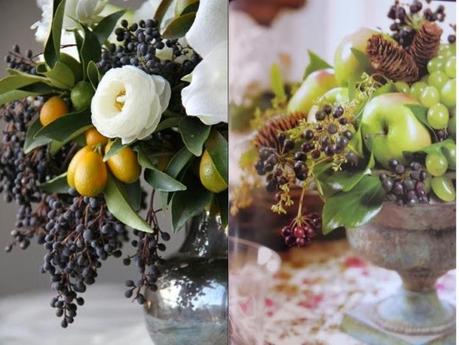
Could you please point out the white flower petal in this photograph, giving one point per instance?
(207, 94)
(145, 98)
(210, 26)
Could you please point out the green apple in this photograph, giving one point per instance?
(389, 128)
(347, 66)
(338, 95)
(314, 86)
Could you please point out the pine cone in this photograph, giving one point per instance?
(390, 59)
(267, 135)
(425, 44)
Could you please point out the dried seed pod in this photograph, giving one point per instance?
(425, 44)
(267, 136)
(390, 59)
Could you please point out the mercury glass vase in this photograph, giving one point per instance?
(419, 243)
(191, 303)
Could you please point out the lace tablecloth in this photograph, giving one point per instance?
(316, 285)
(107, 318)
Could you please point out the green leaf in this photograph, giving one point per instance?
(17, 81)
(74, 65)
(354, 208)
(277, 83)
(356, 143)
(360, 56)
(39, 88)
(30, 141)
(56, 185)
(217, 146)
(315, 63)
(186, 6)
(61, 76)
(134, 195)
(178, 162)
(179, 26)
(93, 74)
(420, 112)
(162, 9)
(118, 205)
(105, 27)
(15, 95)
(115, 147)
(433, 148)
(79, 42)
(65, 126)
(168, 123)
(90, 49)
(159, 180)
(55, 145)
(194, 134)
(189, 203)
(53, 44)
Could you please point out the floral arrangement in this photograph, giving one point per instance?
(380, 125)
(120, 107)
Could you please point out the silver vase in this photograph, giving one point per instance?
(419, 243)
(191, 303)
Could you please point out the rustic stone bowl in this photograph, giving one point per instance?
(419, 243)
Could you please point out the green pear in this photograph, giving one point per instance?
(347, 66)
(314, 86)
(390, 128)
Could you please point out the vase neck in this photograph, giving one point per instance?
(205, 236)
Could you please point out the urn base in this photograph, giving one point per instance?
(362, 324)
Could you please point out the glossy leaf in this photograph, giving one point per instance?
(186, 6)
(56, 185)
(168, 123)
(178, 162)
(61, 76)
(106, 26)
(354, 208)
(277, 83)
(159, 180)
(115, 147)
(217, 146)
(93, 74)
(118, 205)
(315, 63)
(30, 141)
(53, 44)
(194, 134)
(65, 126)
(134, 194)
(15, 95)
(73, 64)
(17, 81)
(162, 9)
(189, 203)
(179, 26)
(90, 49)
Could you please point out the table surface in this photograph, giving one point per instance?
(317, 284)
(310, 294)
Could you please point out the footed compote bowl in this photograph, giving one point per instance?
(419, 243)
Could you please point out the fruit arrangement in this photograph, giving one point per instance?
(99, 141)
(378, 126)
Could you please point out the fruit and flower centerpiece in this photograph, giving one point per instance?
(378, 126)
(103, 133)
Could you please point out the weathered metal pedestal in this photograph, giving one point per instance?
(420, 244)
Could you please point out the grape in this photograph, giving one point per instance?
(448, 93)
(429, 96)
(417, 88)
(450, 67)
(443, 188)
(437, 79)
(444, 50)
(436, 164)
(438, 116)
(449, 150)
(402, 86)
(436, 64)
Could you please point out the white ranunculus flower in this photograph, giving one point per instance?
(128, 103)
(85, 11)
(207, 94)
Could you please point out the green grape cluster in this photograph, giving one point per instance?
(437, 163)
